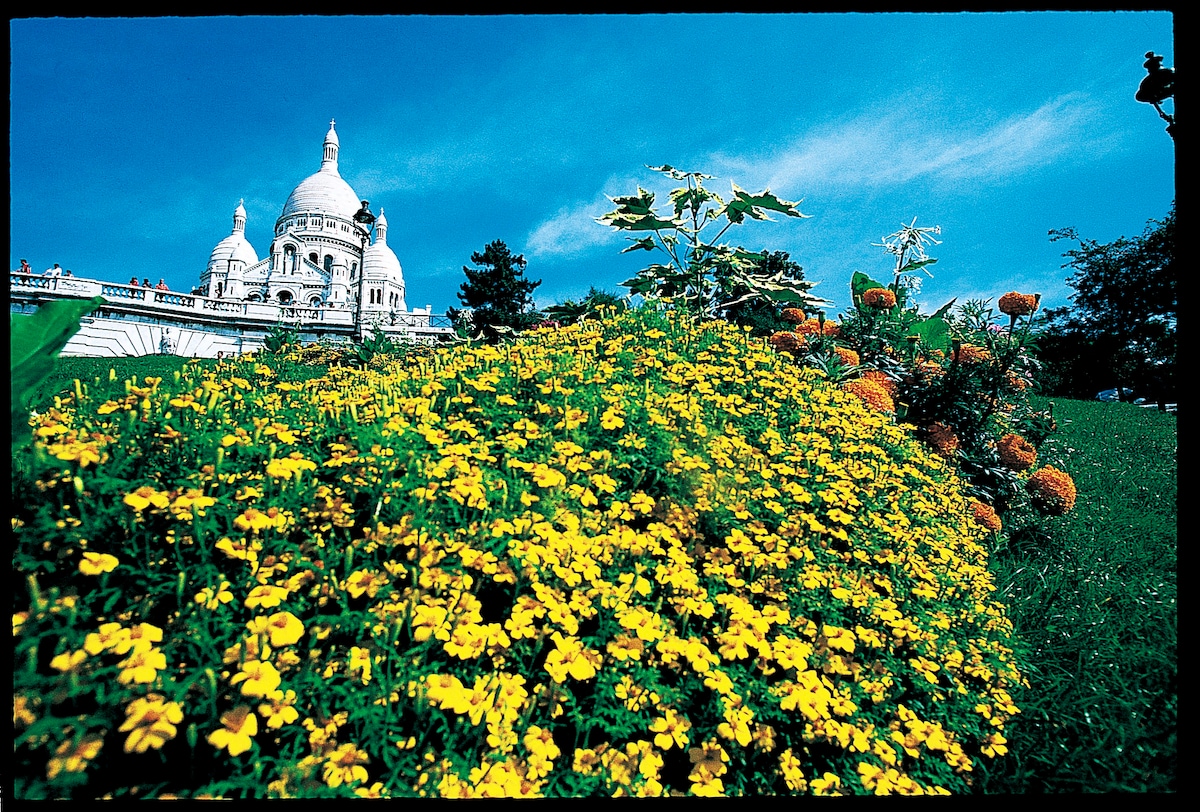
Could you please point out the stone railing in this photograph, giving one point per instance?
(152, 301)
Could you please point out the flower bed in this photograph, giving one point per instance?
(634, 556)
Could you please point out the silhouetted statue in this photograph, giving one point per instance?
(1159, 84)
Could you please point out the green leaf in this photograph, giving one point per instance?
(934, 333)
(917, 266)
(745, 203)
(646, 243)
(35, 341)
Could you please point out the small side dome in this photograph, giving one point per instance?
(379, 260)
(235, 247)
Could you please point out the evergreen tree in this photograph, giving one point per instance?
(497, 292)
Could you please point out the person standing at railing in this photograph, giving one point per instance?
(161, 285)
(55, 271)
(133, 283)
(146, 282)
(25, 267)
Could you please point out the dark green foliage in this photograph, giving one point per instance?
(497, 293)
(571, 311)
(762, 315)
(1121, 329)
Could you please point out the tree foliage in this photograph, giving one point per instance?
(1121, 328)
(762, 314)
(499, 296)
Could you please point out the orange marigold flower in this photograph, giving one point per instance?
(985, 515)
(812, 327)
(792, 315)
(1018, 304)
(879, 298)
(1015, 382)
(1016, 452)
(871, 393)
(942, 439)
(882, 379)
(1052, 490)
(849, 357)
(971, 354)
(786, 342)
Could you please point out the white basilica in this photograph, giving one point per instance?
(322, 255)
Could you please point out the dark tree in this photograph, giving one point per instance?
(497, 292)
(1121, 329)
(762, 315)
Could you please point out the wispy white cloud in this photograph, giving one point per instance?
(878, 152)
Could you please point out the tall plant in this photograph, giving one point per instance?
(693, 257)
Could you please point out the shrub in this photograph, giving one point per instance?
(573, 565)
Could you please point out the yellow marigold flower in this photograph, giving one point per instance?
(569, 657)
(879, 298)
(994, 745)
(942, 439)
(279, 710)
(210, 598)
(871, 393)
(258, 678)
(365, 582)
(344, 765)
(73, 757)
(109, 635)
(97, 563)
(641, 503)
(1016, 452)
(266, 596)
(547, 477)
(827, 784)
(142, 666)
(670, 729)
(146, 496)
(1018, 304)
(68, 661)
(239, 727)
(1052, 491)
(283, 628)
(254, 520)
(985, 515)
(360, 660)
(23, 716)
(150, 722)
(19, 619)
(611, 419)
(708, 760)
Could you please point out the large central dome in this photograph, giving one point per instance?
(324, 191)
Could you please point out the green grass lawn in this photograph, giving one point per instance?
(1092, 596)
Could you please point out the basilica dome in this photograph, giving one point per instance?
(324, 191)
(235, 247)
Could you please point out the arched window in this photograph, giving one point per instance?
(328, 263)
(313, 258)
(315, 301)
(285, 297)
(289, 259)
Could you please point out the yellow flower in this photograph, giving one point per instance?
(279, 711)
(150, 722)
(345, 765)
(211, 598)
(258, 678)
(827, 784)
(570, 657)
(142, 666)
(266, 596)
(73, 757)
(68, 661)
(239, 726)
(145, 496)
(97, 563)
(670, 729)
(283, 628)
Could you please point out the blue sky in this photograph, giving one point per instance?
(133, 139)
